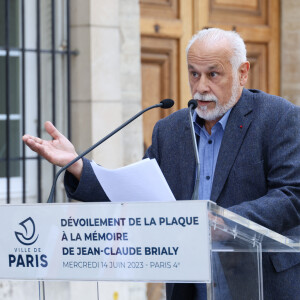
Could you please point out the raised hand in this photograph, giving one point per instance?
(59, 151)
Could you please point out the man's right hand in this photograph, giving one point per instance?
(60, 151)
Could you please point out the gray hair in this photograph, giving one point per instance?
(214, 35)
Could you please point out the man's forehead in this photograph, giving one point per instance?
(201, 50)
(209, 60)
(207, 65)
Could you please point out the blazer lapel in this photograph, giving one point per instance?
(237, 125)
(188, 161)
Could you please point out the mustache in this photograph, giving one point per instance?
(205, 97)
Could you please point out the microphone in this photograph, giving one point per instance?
(166, 103)
(192, 104)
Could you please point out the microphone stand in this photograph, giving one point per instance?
(192, 105)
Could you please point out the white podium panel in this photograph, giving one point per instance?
(180, 241)
(106, 241)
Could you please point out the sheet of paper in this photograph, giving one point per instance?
(141, 181)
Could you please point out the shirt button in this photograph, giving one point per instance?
(207, 177)
(210, 141)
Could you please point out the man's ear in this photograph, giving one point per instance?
(243, 73)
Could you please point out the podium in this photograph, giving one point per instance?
(238, 254)
(182, 241)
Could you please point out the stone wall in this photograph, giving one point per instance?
(96, 90)
(106, 87)
(106, 91)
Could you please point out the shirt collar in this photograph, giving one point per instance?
(200, 122)
(224, 119)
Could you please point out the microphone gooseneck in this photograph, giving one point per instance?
(192, 104)
(166, 103)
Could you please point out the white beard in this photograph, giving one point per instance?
(219, 110)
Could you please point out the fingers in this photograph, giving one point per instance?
(51, 129)
(58, 151)
(30, 139)
(34, 143)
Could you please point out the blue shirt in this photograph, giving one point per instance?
(208, 147)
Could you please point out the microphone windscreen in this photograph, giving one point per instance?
(193, 102)
(167, 103)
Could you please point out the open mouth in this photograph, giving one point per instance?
(204, 103)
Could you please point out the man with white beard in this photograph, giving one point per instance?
(249, 149)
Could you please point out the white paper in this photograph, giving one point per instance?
(141, 181)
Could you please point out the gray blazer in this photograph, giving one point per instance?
(257, 176)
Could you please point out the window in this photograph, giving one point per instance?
(34, 87)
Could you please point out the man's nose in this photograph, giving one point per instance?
(203, 85)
